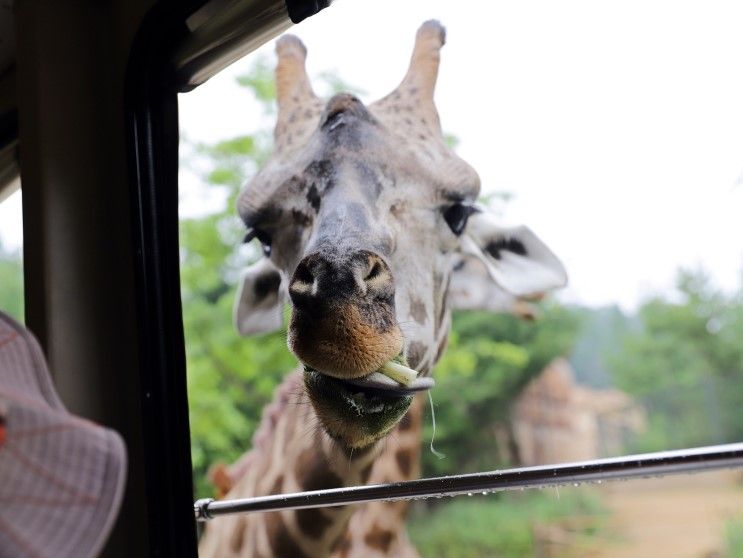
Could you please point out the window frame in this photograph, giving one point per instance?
(174, 51)
(151, 114)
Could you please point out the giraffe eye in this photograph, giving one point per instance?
(263, 237)
(456, 216)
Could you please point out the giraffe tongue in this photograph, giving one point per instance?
(377, 380)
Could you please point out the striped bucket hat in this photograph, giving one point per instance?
(61, 477)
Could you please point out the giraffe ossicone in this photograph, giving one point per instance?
(367, 217)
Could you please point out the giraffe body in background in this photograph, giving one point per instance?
(312, 462)
(365, 215)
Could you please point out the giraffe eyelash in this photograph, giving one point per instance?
(456, 216)
(263, 237)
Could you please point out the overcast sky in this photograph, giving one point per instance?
(617, 126)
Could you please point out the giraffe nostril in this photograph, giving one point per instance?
(375, 271)
(303, 279)
(324, 278)
(304, 274)
(377, 279)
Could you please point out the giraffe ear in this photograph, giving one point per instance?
(514, 257)
(259, 305)
(472, 288)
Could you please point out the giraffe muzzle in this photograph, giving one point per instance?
(343, 320)
(343, 328)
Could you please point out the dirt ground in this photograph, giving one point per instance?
(676, 517)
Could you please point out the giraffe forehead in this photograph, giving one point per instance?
(373, 186)
(353, 147)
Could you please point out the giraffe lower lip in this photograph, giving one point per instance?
(365, 399)
(353, 415)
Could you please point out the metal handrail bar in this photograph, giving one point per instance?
(643, 465)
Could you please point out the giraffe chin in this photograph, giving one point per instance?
(354, 416)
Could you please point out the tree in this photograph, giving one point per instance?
(230, 379)
(11, 283)
(686, 364)
(490, 358)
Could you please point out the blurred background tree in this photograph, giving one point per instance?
(489, 359)
(11, 282)
(684, 362)
(230, 379)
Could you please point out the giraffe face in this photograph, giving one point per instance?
(362, 229)
(363, 213)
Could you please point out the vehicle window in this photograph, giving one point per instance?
(11, 256)
(614, 134)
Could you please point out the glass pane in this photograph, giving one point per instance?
(11, 256)
(622, 155)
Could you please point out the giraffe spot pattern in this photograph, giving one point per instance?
(238, 537)
(313, 522)
(404, 461)
(280, 539)
(342, 546)
(315, 474)
(418, 310)
(313, 197)
(277, 485)
(415, 353)
(300, 218)
(366, 472)
(379, 538)
(406, 422)
(266, 284)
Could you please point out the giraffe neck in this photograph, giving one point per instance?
(292, 453)
(377, 529)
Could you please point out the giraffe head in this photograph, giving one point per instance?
(365, 214)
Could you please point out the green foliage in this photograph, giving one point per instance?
(230, 379)
(261, 83)
(734, 538)
(11, 283)
(499, 525)
(597, 343)
(489, 359)
(685, 363)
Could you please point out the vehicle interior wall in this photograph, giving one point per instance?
(70, 70)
